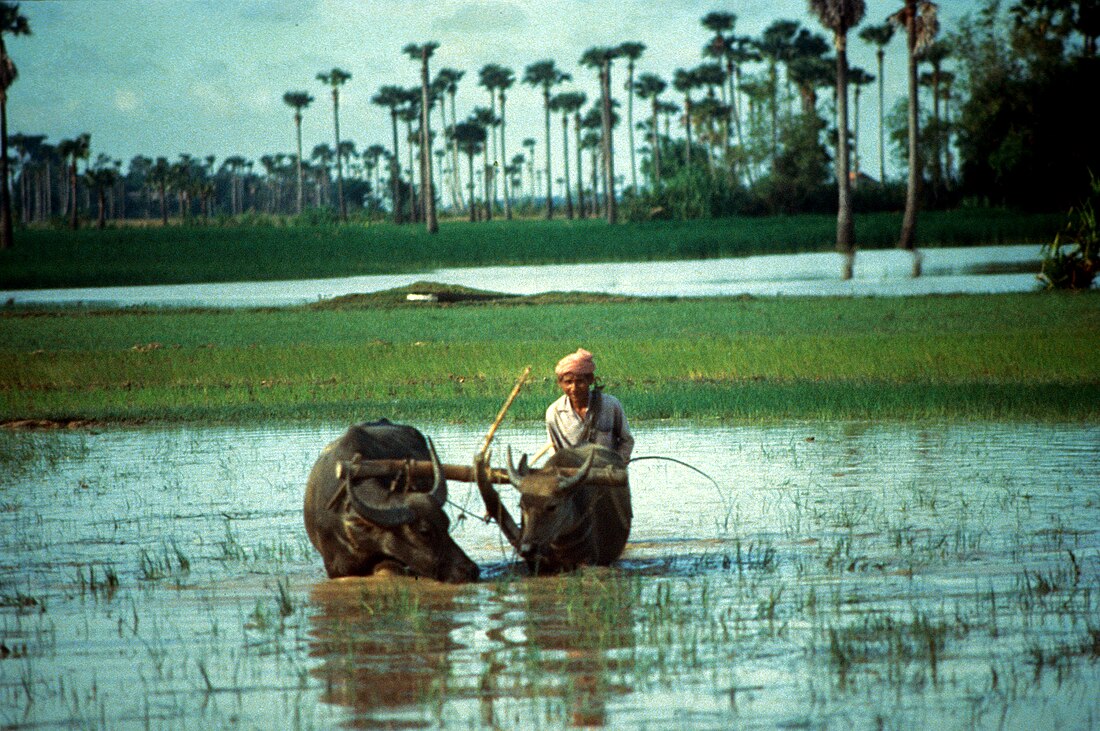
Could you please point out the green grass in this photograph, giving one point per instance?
(1021, 355)
(46, 258)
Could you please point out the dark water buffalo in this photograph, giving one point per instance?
(363, 525)
(566, 521)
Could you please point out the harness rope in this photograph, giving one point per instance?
(717, 487)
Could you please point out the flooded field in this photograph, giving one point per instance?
(838, 575)
(878, 273)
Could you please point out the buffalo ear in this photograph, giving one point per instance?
(515, 476)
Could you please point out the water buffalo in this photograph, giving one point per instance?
(567, 521)
(363, 524)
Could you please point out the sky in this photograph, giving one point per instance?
(207, 77)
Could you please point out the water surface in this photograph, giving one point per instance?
(837, 575)
(963, 270)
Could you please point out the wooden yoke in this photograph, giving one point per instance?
(356, 470)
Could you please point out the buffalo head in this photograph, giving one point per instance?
(362, 525)
(556, 528)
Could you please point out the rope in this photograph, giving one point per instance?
(717, 487)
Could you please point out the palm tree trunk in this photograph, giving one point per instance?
(74, 221)
(298, 126)
(339, 157)
(656, 132)
(907, 239)
(881, 121)
(687, 126)
(7, 232)
(580, 168)
(506, 185)
(630, 124)
(549, 180)
(845, 231)
(473, 204)
(426, 177)
(608, 143)
(565, 156)
(454, 155)
(395, 170)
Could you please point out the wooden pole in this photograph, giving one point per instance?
(461, 473)
(503, 410)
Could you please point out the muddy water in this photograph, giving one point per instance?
(836, 575)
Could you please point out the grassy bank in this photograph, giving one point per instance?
(47, 258)
(997, 356)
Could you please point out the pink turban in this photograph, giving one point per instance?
(580, 363)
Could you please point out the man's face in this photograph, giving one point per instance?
(576, 386)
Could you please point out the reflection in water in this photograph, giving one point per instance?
(394, 650)
(384, 646)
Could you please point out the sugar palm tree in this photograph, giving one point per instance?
(840, 16)
(469, 137)
(651, 86)
(393, 98)
(504, 83)
(73, 150)
(485, 117)
(423, 52)
(101, 178)
(335, 79)
(493, 78)
(448, 79)
(721, 48)
(921, 25)
(776, 46)
(567, 102)
(299, 100)
(545, 75)
(12, 22)
(600, 58)
(631, 51)
(879, 36)
(934, 54)
(686, 81)
(857, 79)
(529, 144)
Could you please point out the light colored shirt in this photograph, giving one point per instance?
(565, 427)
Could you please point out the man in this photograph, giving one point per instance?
(584, 414)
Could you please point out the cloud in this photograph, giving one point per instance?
(127, 101)
(492, 17)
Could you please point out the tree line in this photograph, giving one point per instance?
(761, 125)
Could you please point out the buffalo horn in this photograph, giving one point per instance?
(439, 485)
(382, 517)
(567, 483)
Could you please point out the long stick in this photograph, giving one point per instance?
(379, 468)
(541, 452)
(503, 411)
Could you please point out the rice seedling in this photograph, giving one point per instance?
(104, 586)
(994, 357)
(169, 562)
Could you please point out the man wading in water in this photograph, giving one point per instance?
(584, 414)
